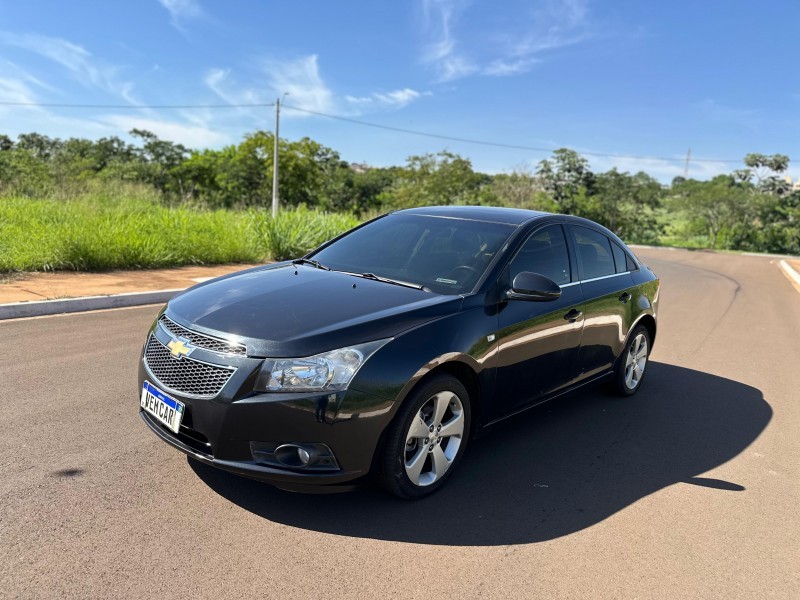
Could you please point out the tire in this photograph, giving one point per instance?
(422, 447)
(632, 364)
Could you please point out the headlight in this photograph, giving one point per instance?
(330, 371)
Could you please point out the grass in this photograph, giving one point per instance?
(296, 232)
(133, 230)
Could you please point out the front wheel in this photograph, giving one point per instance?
(427, 438)
(633, 362)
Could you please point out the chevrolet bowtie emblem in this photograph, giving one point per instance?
(179, 348)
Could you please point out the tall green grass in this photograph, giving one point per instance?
(296, 232)
(132, 231)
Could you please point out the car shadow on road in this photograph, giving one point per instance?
(555, 470)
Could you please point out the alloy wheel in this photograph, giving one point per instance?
(433, 438)
(635, 361)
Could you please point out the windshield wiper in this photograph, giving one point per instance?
(312, 262)
(374, 277)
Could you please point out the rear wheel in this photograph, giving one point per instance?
(633, 362)
(427, 439)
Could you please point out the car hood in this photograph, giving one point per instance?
(285, 310)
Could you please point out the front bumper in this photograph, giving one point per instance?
(219, 432)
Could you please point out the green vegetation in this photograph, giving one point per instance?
(297, 231)
(133, 229)
(91, 205)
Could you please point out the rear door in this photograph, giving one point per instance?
(607, 290)
(539, 341)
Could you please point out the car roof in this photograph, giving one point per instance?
(489, 214)
(508, 216)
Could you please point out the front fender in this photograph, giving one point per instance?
(394, 370)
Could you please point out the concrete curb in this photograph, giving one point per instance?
(38, 308)
(791, 273)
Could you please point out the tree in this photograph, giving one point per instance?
(39, 146)
(714, 208)
(160, 160)
(520, 189)
(436, 179)
(765, 169)
(565, 177)
(626, 204)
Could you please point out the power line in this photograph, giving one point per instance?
(365, 124)
(500, 144)
(135, 106)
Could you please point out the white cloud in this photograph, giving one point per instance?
(300, 78)
(15, 90)
(438, 16)
(27, 76)
(455, 67)
(195, 135)
(307, 90)
(396, 99)
(74, 58)
(552, 24)
(220, 82)
(505, 68)
(180, 10)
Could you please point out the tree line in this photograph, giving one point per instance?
(752, 208)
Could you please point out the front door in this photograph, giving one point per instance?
(539, 341)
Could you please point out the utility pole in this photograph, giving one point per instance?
(275, 160)
(686, 167)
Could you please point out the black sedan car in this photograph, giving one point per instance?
(382, 352)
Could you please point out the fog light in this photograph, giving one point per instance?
(302, 455)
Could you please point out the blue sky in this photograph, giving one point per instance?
(623, 78)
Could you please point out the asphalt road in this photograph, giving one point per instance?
(689, 490)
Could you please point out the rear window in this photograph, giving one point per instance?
(594, 250)
(620, 258)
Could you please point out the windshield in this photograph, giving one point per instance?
(446, 255)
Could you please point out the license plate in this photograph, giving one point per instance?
(164, 408)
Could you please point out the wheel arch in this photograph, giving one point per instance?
(648, 321)
(457, 367)
(460, 367)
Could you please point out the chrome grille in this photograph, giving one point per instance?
(184, 375)
(201, 340)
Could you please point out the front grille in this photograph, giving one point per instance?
(189, 437)
(201, 340)
(184, 375)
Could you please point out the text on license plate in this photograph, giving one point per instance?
(164, 408)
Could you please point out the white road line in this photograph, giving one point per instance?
(793, 275)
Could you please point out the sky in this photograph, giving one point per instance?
(630, 84)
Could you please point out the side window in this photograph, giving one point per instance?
(594, 250)
(620, 258)
(545, 252)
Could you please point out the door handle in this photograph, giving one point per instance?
(573, 315)
(625, 297)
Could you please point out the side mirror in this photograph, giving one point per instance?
(533, 287)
